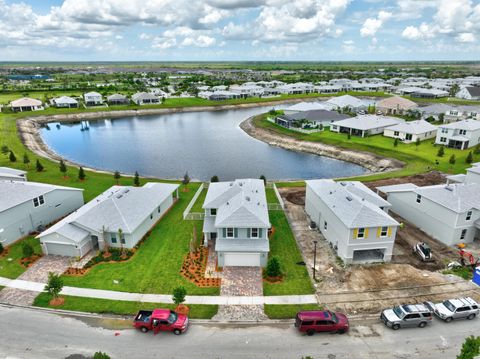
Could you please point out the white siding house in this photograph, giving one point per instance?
(26, 104)
(64, 102)
(461, 135)
(236, 219)
(364, 125)
(145, 98)
(353, 219)
(133, 210)
(410, 131)
(449, 213)
(11, 174)
(93, 99)
(26, 207)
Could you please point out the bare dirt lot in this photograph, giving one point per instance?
(369, 288)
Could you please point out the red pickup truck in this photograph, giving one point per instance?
(161, 320)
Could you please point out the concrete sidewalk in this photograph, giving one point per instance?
(162, 298)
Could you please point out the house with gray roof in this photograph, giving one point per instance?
(307, 106)
(145, 98)
(309, 118)
(93, 99)
(365, 125)
(27, 207)
(119, 217)
(448, 212)
(411, 131)
(237, 221)
(12, 174)
(460, 135)
(118, 99)
(469, 93)
(64, 102)
(353, 219)
(350, 102)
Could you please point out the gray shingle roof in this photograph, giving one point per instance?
(471, 125)
(240, 204)
(353, 210)
(144, 96)
(397, 188)
(414, 127)
(316, 115)
(347, 101)
(13, 193)
(367, 122)
(11, 171)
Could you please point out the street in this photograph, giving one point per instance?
(28, 333)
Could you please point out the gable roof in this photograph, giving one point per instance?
(474, 91)
(354, 208)
(366, 122)
(414, 127)
(316, 115)
(308, 106)
(26, 102)
(240, 204)
(396, 102)
(144, 96)
(470, 125)
(65, 99)
(117, 97)
(347, 101)
(13, 193)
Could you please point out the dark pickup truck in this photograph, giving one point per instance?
(161, 320)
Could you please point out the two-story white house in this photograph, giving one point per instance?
(236, 219)
(27, 207)
(409, 132)
(93, 99)
(449, 213)
(353, 219)
(460, 135)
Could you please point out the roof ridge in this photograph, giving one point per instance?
(121, 214)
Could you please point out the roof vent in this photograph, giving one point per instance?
(119, 196)
(349, 199)
(247, 198)
(448, 188)
(343, 184)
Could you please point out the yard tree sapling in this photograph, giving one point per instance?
(38, 166)
(54, 286)
(63, 168)
(27, 250)
(273, 267)
(441, 152)
(117, 176)
(469, 158)
(81, 174)
(136, 179)
(452, 160)
(186, 179)
(12, 157)
(26, 159)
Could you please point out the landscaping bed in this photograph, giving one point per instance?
(105, 306)
(11, 262)
(194, 266)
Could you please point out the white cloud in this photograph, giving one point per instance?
(466, 37)
(372, 25)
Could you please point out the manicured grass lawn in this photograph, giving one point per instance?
(280, 311)
(106, 306)
(197, 207)
(12, 269)
(271, 196)
(155, 267)
(284, 246)
(417, 160)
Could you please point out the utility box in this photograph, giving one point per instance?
(476, 276)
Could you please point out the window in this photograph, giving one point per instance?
(38, 201)
(325, 225)
(463, 235)
(463, 132)
(463, 309)
(254, 233)
(151, 215)
(426, 315)
(113, 238)
(469, 215)
(361, 233)
(396, 133)
(41, 200)
(213, 211)
(419, 198)
(413, 316)
(384, 232)
(158, 209)
(443, 139)
(230, 233)
(444, 130)
(307, 322)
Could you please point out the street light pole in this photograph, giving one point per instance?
(314, 259)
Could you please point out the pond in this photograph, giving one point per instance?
(203, 143)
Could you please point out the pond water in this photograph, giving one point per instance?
(202, 143)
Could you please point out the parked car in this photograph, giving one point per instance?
(409, 315)
(312, 322)
(459, 308)
(161, 320)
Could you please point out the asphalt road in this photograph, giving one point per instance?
(28, 333)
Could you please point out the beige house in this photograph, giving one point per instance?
(26, 104)
(395, 105)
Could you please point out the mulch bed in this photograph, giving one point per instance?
(57, 302)
(5, 252)
(76, 272)
(194, 266)
(28, 262)
(273, 280)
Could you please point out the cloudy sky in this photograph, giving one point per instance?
(193, 30)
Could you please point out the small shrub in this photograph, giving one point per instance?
(395, 142)
(117, 176)
(179, 294)
(12, 157)
(452, 160)
(469, 158)
(38, 166)
(470, 348)
(27, 250)
(441, 152)
(100, 355)
(81, 174)
(214, 179)
(186, 179)
(136, 179)
(26, 159)
(273, 267)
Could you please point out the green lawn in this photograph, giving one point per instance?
(280, 311)
(271, 196)
(12, 268)
(197, 207)
(417, 160)
(120, 307)
(284, 246)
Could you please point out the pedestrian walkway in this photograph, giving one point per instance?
(36, 287)
(38, 272)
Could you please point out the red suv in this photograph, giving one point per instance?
(321, 321)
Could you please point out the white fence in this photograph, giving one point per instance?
(187, 216)
(279, 198)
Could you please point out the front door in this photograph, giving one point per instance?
(94, 242)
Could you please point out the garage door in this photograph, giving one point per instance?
(369, 255)
(242, 259)
(62, 249)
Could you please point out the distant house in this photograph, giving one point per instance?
(461, 135)
(395, 105)
(469, 93)
(64, 102)
(11, 174)
(133, 210)
(353, 219)
(449, 213)
(26, 104)
(295, 88)
(434, 110)
(364, 125)
(411, 131)
(430, 93)
(350, 103)
(314, 118)
(145, 98)
(236, 219)
(219, 95)
(327, 88)
(307, 106)
(93, 99)
(247, 90)
(118, 99)
(460, 113)
(26, 207)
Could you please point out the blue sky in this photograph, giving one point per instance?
(282, 30)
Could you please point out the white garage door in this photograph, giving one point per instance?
(242, 259)
(62, 249)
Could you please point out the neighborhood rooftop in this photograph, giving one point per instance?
(414, 127)
(366, 122)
